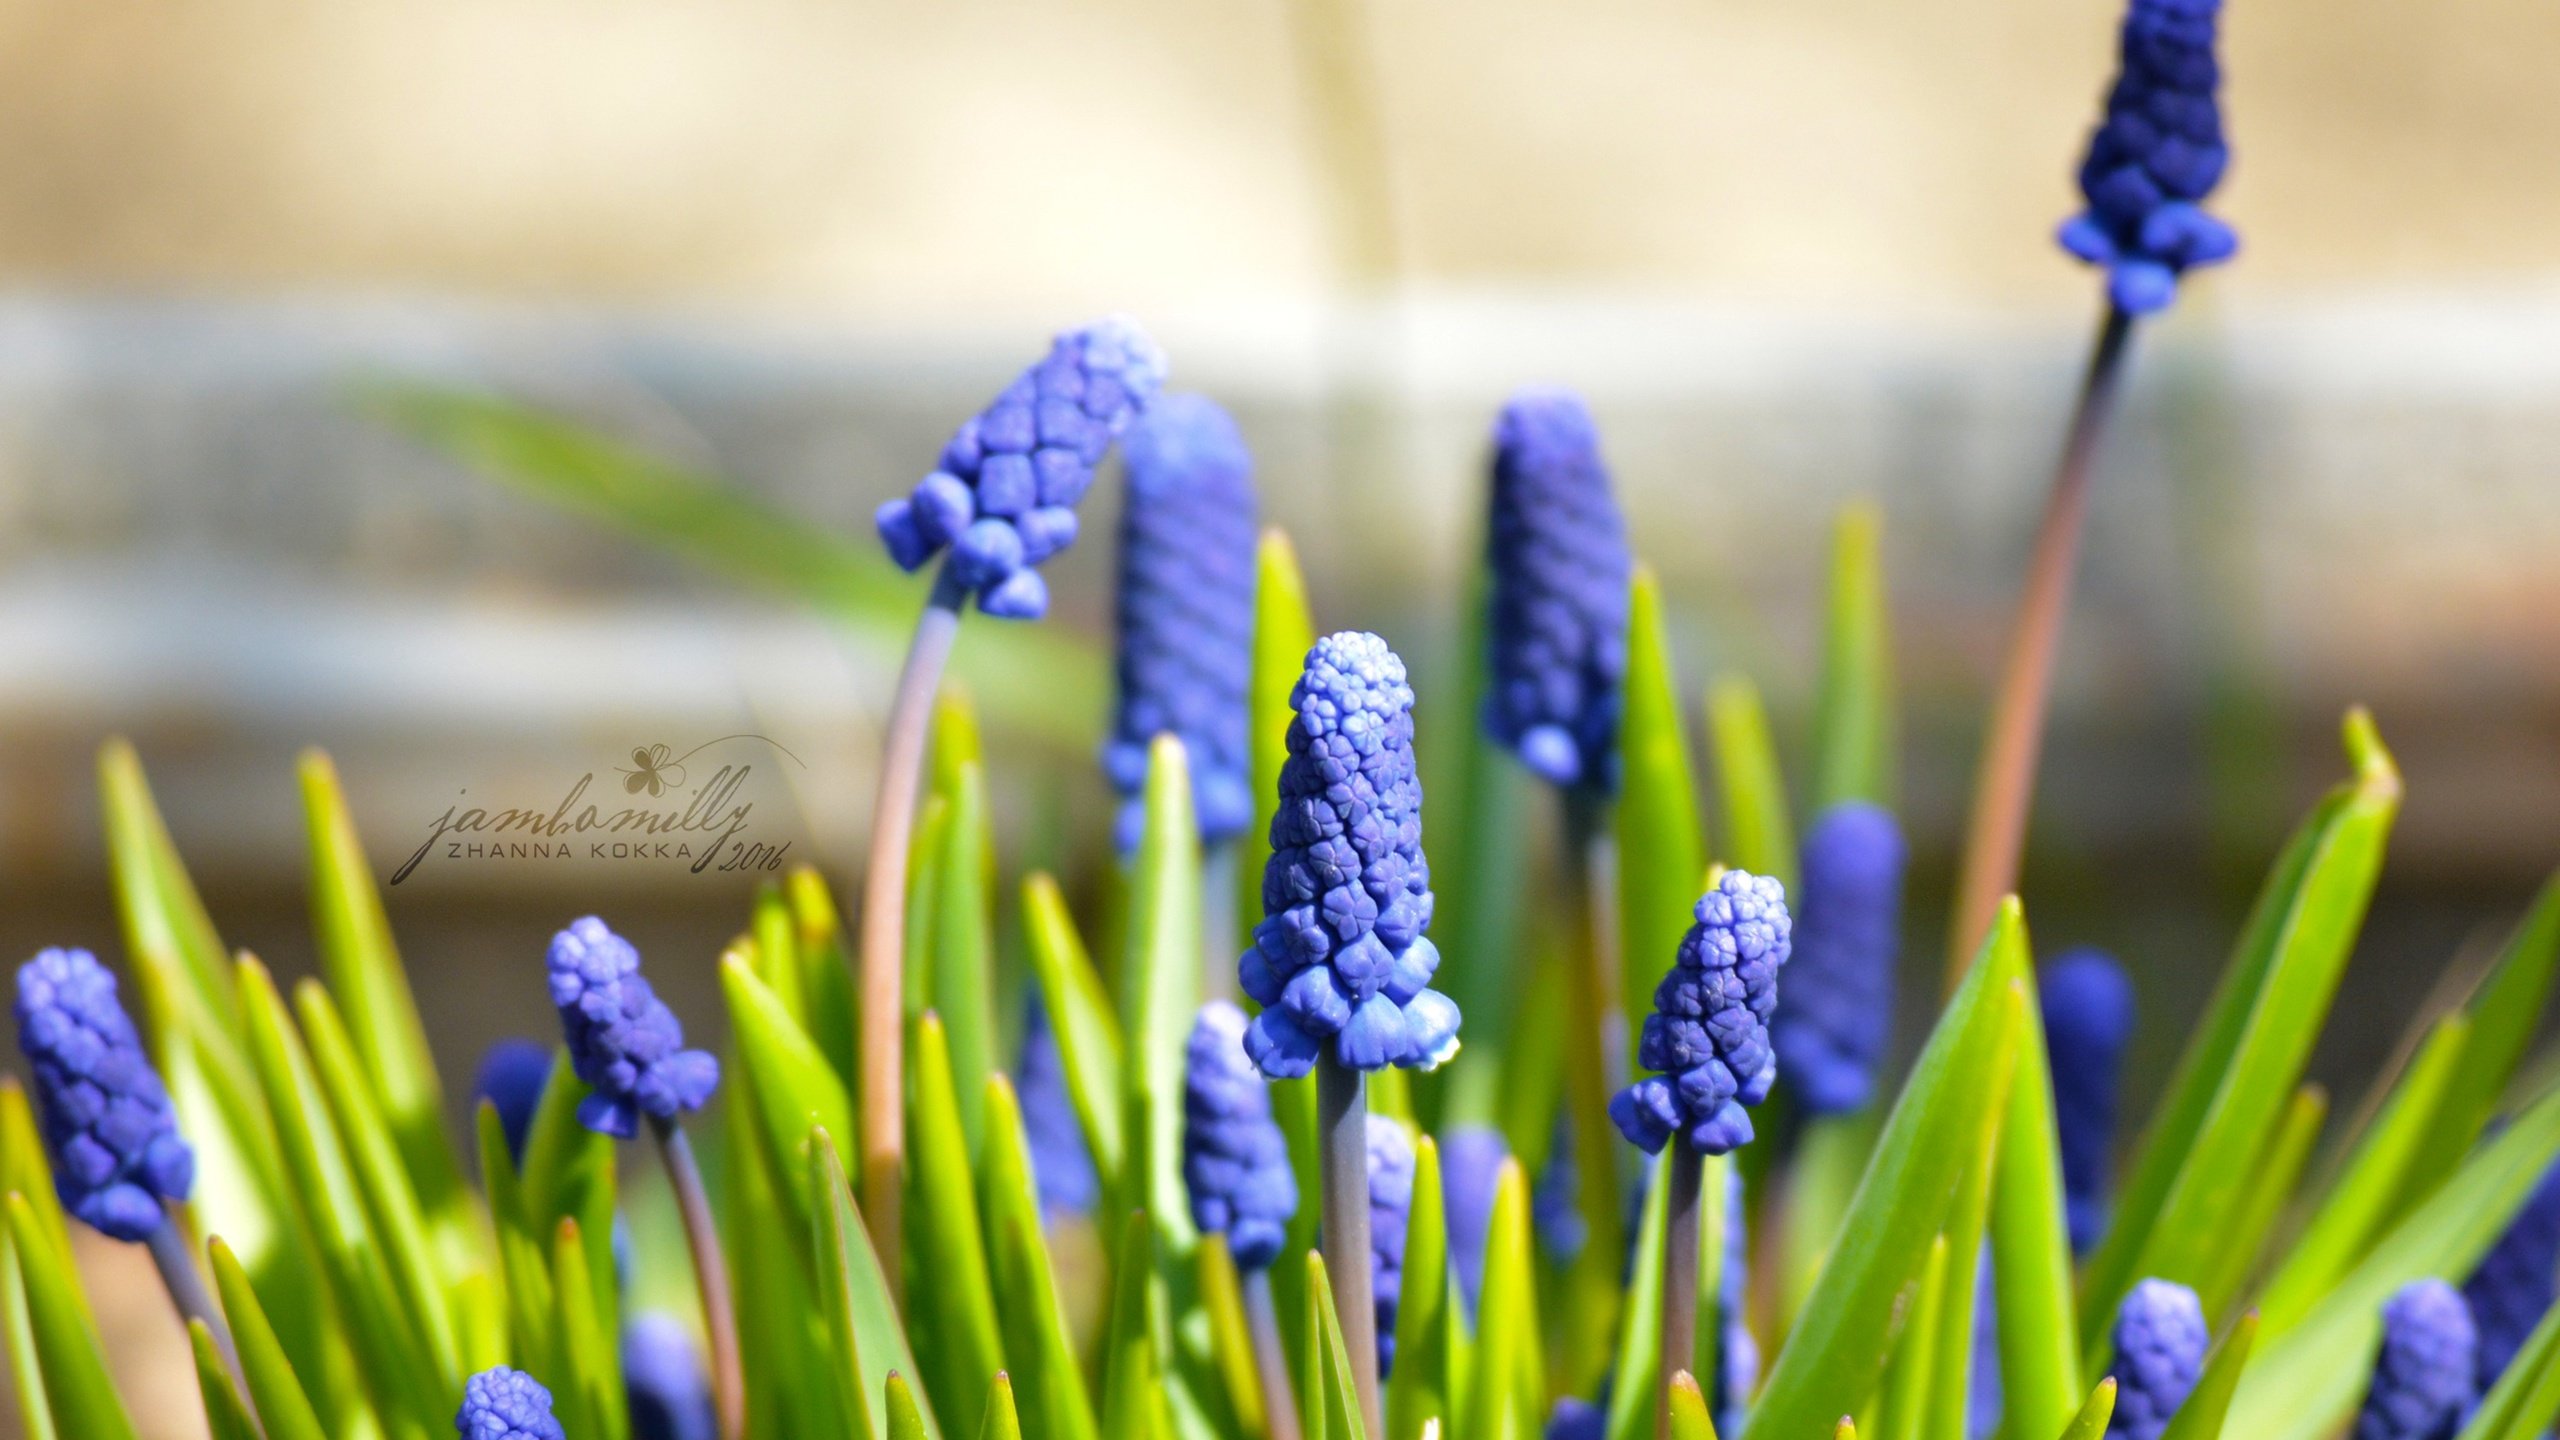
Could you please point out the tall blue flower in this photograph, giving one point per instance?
(1832, 1026)
(1708, 1034)
(1235, 1162)
(2087, 1004)
(512, 1075)
(1186, 611)
(2155, 157)
(666, 1388)
(1737, 1353)
(2160, 1346)
(1471, 1158)
(623, 1040)
(1390, 1220)
(1557, 633)
(2513, 1287)
(108, 1124)
(504, 1404)
(2424, 1378)
(1004, 497)
(1340, 956)
(1061, 1167)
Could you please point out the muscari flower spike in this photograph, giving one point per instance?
(1235, 1162)
(2155, 157)
(1471, 1159)
(1390, 1223)
(1837, 1014)
(1185, 612)
(1575, 1418)
(504, 1404)
(2087, 1004)
(1061, 1167)
(1340, 958)
(1708, 1034)
(2160, 1345)
(2423, 1379)
(512, 1076)
(1003, 499)
(1556, 635)
(667, 1391)
(623, 1040)
(108, 1124)
(2515, 1283)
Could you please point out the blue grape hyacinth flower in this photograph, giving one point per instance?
(2424, 1379)
(2155, 157)
(1061, 1167)
(1708, 1035)
(1555, 1200)
(1556, 633)
(1471, 1159)
(1235, 1162)
(2516, 1281)
(668, 1393)
(1340, 958)
(504, 1404)
(2087, 1005)
(1390, 1224)
(512, 1075)
(2161, 1341)
(623, 1040)
(1832, 1025)
(1003, 499)
(1185, 656)
(118, 1158)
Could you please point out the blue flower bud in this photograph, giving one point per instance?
(1709, 1030)
(1390, 1216)
(1235, 1161)
(1831, 1028)
(1556, 634)
(2087, 1004)
(1340, 958)
(2513, 1287)
(504, 1404)
(664, 1382)
(512, 1075)
(1061, 1167)
(2426, 1376)
(1471, 1159)
(2156, 156)
(108, 1124)
(1003, 499)
(2160, 1347)
(623, 1040)
(1186, 612)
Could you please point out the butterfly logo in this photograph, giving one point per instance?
(652, 769)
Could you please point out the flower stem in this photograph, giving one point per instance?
(1595, 1069)
(2004, 787)
(710, 1275)
(1685, 1167)
(884, 925)
(1342, 1125)
(185, 1284)
(1270, 1362)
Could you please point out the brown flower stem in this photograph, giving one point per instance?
(710, 1276)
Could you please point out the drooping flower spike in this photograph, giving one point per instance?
(1340, 958)
(1556, 637)
(1061, 1167)
(2087, 1004)
(623, 1040)
(1837, 1014)
(1708, 1035)
(1390, 1225)
(2155, 157)
(2161, 1341)
(118, 1158)
(504, 1404)
(1003, 499)
(1235, 1162)
(1187, 537)
(2424, 1379)
(2516, 1281)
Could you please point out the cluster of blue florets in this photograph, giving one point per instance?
(2155, 158)
(108, 1123)
(1061, 1166)
(504, 1404)
(623, 1040)
(1708, 1035)
(2423, 1379)
(2160, 1340)
(2087, 1005)
(1556, 637)
(1185, 611)
(1235, 1162)
(2518, 1280)
(1340, 958)
(662, 1373)
(1004, 497)
(1390, 1224)
(1831, 1030)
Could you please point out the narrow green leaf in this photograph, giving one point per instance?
(588, 1384)
(1481, 844)
(166, 927)
(1950, 1410)
(795, 1087)
(773, 950)
(1689, 1417)
(26, 1368)
(77, 1387)
(2279, 1172)
(955, 1313)
(527, 1274)
(861, 1289)
(1661, 841)
(1080, 1015)
(282, 1402)
(224, 1415)
(794, 1380)
(964, 943)
(906, 1416)
(1854, 731)
(1830, 1157)
(1507, 1350)
(1639, 1363)
(1038, 1345)
(1909, 1377)
(1330, 1403)
(924, 887)
(24, 1168)
(1002, 1423)
(1427, 1335)
(2526, 1399)
(2209, 1404)
(826, 976)
(1230, 1360)
(568, 1174)
(957, 741)
(2031, 1247)
(845, 1376)
(2091, 1422)
(1284, 630)
(1160, 982)
(1759, 836)
(1128, 1347)
(2505, 1016)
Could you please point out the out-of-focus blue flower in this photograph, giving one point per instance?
(2161, 1341)
(1471, 1159)
(107, 1121)
(2155, 157)
(504, 1404)
(1578, 1419)
(623, 1040)
(1987, 1398)
(1832, 1026)
(1235, 1162)
(1061, 1167)
(1390, 1217)
(1555, 1202)
(1708, 1034)
(663, 1379)
(511, 1077)
(1557, 633)
(1004, 497)
(1737, 1352)
(2087, 1005)
(1340, 957)
(1185, 612)
(2425, 1377)
(2513, 1287)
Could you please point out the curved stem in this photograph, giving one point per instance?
(710, 1275)
(2004, 787)
(884, 926)
(1342, 1125)
(186, 1287)
(1679, 1275)
(1270, 1362)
